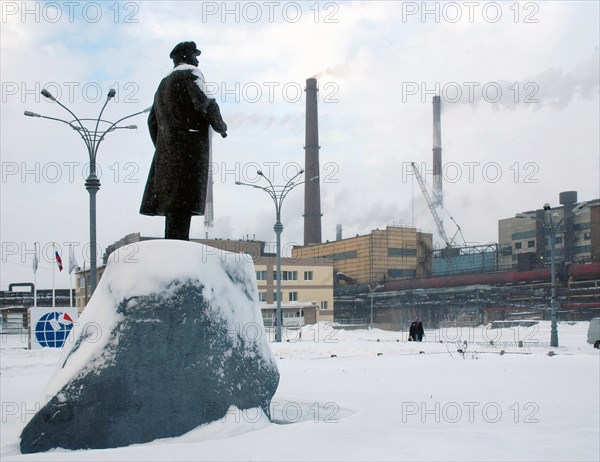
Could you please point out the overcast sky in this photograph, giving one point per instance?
(519, 83)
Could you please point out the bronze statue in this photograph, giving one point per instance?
(179, 124)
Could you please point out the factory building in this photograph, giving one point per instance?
(397, 252)
(508, 280)
(524, 240)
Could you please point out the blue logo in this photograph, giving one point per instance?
(52, 330)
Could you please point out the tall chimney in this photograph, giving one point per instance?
(312, 191)
(437, 153)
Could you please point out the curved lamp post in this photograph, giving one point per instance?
(278, 193)
(552, 229)
(92, 137)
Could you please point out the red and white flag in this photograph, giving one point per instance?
(58, 261)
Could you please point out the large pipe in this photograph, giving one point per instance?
(579, 271)
(437, 153)
(312, 191)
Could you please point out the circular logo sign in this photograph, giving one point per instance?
(52, 329)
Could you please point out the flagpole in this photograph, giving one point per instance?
(35, 265)
(71, 257)
(53, 271)
(85, 285)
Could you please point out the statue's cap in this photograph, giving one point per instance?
(183, 49)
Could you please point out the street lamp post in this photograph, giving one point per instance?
(553, 307)
(92, 137)
(372, 293)
(552, 228)
(278, 194)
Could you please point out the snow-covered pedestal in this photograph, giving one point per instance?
(172, 337)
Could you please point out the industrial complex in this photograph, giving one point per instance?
(394, 276)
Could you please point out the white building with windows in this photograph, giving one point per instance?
(306, 288)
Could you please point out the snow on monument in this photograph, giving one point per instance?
(170, 340)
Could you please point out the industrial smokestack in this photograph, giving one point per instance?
(338, 232)
(312, 191)
(437, 153)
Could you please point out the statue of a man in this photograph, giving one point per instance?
(179, 125)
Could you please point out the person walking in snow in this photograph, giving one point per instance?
(179, 125)
(420, 331)
(412, 332)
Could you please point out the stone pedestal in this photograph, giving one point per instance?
(172, 337)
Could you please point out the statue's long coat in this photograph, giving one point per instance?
(179, 127)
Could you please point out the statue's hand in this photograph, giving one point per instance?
(215, 119)
(219, 126)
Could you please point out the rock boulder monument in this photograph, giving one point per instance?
(167, 343)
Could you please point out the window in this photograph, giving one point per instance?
(530, 244)
(308, 275)
(402, 252)
(274, 297)
(559, 239)
(286, 275)
(293, 296)
(401, 273)
(268, 318)
(587, 236)
(262, 296)
(261, 275)
(517, 245)
(324, 305)
(343, 255)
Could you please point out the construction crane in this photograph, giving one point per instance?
(436, 216)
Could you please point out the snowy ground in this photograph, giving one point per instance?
(371, 395)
